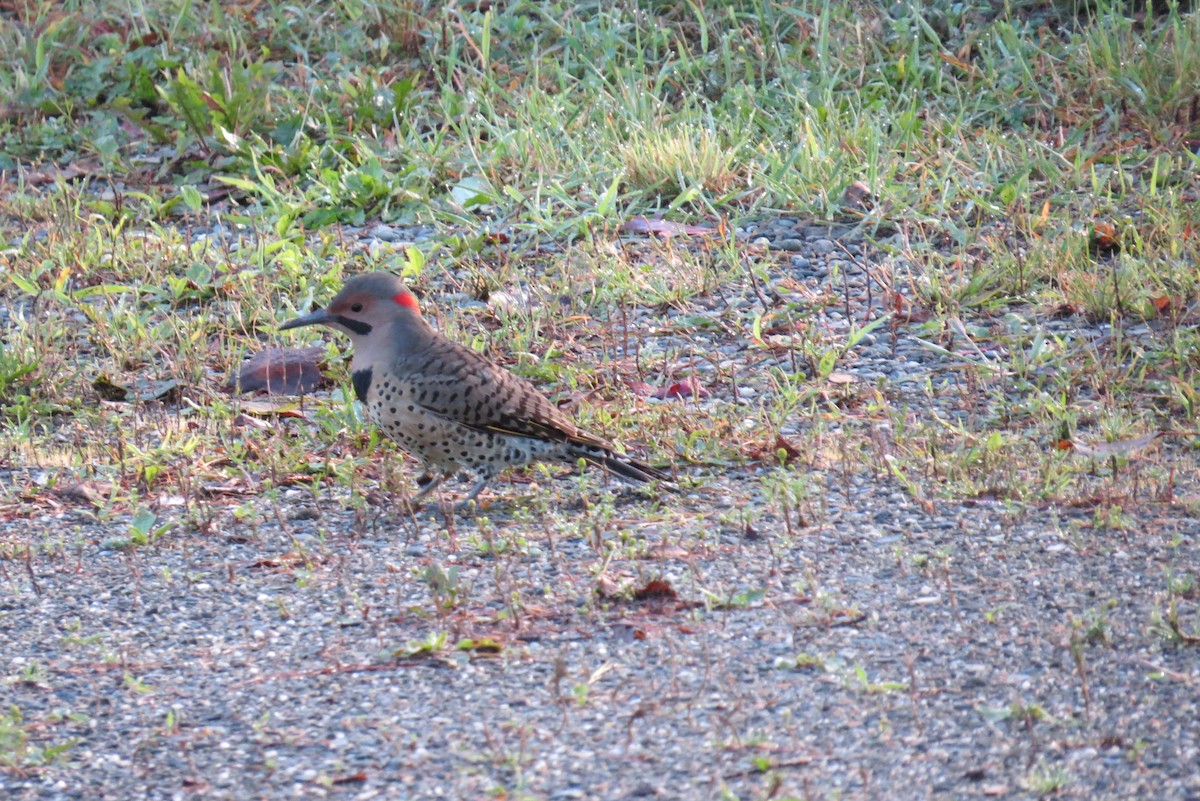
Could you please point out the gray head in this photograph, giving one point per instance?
(366, 303)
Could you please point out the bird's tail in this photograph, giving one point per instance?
(625, 467)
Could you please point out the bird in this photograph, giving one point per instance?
(445, 403)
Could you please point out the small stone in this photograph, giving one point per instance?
(385, 232)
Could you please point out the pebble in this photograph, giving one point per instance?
(385, 233)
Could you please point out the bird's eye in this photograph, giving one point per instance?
(356, 307)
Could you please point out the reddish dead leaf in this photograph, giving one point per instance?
(664, 228)
(1064, 310)
(771, 453)
(903, 310)
(913, 315)
(628, 631)
(844, 617)
(786, 328)
(377, 498)
(351, 778)
(688, 388)
(790, 451)
(92, 493)
(950, 58)
(857, 196)
(285, 561)
(1105, 238)
(756, 451)
(639, 388)
(655, 590)
(1121, 447)
(1166, 304)
(149, 39)
(285, 371)
(664, 551)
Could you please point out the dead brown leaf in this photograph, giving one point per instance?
(664, 228)
(1105, 238)
(655, 590)
(108, 389)
(763, 452)
(285, 561)
(688, 388)
(266, 408)
(857, 196)
(92, 493)
(350, 778)
(904, 311)
(1060, 310)
(1121, 447)
(49, 173)
(142, 389)
(284, 371)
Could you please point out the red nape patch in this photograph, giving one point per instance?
(406, 299)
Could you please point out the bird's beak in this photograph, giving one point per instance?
(319, 317)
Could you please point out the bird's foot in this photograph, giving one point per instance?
(469, 502)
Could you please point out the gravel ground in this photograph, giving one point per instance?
(694, 647)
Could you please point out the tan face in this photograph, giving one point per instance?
(358, 313)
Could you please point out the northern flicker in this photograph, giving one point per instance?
(446, 404)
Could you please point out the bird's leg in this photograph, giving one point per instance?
(475, 490)
(428, 482)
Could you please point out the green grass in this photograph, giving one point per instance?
(1023, 158)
